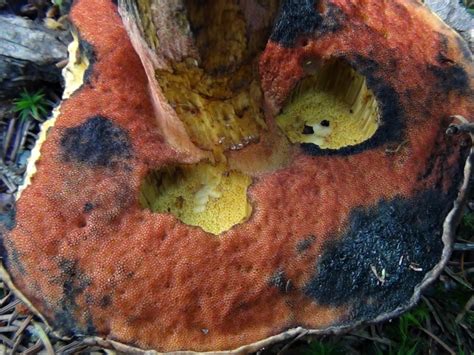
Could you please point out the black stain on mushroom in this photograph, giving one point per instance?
(97, 142)
(300, 18)
(450, 77)
(438, 168)
(105, 301)
(88, 207)
(385, 253)
(74, 284)
(280, 281)
(87, 50)
(304, 244)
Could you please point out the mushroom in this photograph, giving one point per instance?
(223, 175)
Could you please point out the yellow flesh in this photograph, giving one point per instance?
(336, 96)
(218, 98)
(204, 195)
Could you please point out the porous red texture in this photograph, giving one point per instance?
(148, 280)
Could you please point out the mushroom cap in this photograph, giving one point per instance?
(336, 238)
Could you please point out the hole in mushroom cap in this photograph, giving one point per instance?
(211, 197)
(333, 102)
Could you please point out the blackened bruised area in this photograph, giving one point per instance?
(281, 282)
(105, 301)
(444, 147)
(442, 56)
(450, 77)
(305, 244)
(298, 18)
(392, 129)
(88, 207)
(385, 253)
(74, 284)
(86, 49)
(98, 142)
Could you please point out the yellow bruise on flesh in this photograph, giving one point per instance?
(205, 195)
(337, 94)
(73, 74)
(218, 98)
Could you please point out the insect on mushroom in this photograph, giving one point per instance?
(150, 220)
